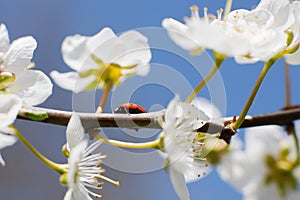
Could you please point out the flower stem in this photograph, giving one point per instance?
(287, 86)
(218, 61)
(55, 166)
(228, 7)
(129, 145)
(104, 98)
(249, 102)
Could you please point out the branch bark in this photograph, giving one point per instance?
(150, 120)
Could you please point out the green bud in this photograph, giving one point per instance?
(63, 179)
(65, 151)
(290, 37)
(36, 115)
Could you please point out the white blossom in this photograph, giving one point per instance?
(266, 169)
(10, 105)
(103, 59)
(249, 36)
(85, 172)
(32, 86)
(185, 147)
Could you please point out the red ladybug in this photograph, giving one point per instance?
(130, 108)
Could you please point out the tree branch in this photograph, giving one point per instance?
(150, 120)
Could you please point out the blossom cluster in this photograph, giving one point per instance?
(103, 61)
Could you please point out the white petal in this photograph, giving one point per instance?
(101, 37)
(137, 49)
(178, 181)
(32, 86)
(71, 81)
(263, 140)
(207, 107)
(107, 46)
(76, 53)
(19, 54)
(143, 70)
(4, 39)
(2, 161)
(68, 195)
(7, 140)
(75, 131)
(260, 18)
(281, 10)
(293, 59)
(179, 33)
(9, 109)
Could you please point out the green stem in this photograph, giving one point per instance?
(129, 145)
(104, 98)
(246, 108)
(228, 7)
(218, 61)
(55, 166)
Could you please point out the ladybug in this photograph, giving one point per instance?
(130, 108)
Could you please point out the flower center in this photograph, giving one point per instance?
(107, 75)
(280, 172)
(6, 78)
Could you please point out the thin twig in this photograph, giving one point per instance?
(150, 120)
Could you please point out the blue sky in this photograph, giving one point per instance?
(50, 22)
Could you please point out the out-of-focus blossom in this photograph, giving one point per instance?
(103, 60)
(266, 169)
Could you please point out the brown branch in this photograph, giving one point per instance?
(150, 120)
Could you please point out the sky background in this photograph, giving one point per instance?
(26, 178)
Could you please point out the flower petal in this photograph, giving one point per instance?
(281, 10)
(178, 182)
(4, 39)
(6, 141)
(9, 109)
(32, 86)
(207, 107)
(19, 54)
(107, 46)
(71, 80)
(137, 49)
(76, 53)
(179, 33)
(75, 131)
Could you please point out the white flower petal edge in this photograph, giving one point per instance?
(178, 182)
(281, 10)
(6, 141)
(19, 54)
(33, 86)
(70, 81)
(9, 109)
(4, 39)
(75, 131)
